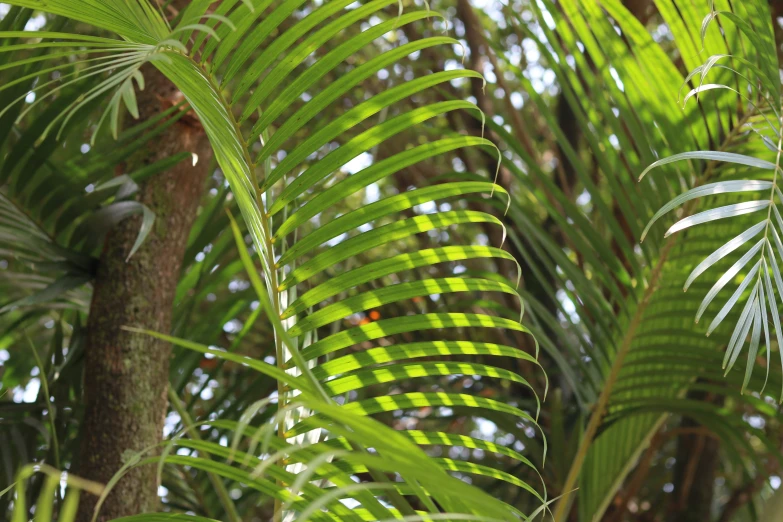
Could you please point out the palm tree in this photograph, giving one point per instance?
(338, 295)
(254, 85)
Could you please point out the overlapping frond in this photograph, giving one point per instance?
(760, 152)
(619, 327)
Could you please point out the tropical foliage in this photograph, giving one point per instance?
(391, 193)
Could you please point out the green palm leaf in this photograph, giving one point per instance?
(239, 95)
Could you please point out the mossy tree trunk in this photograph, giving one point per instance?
(126, 374)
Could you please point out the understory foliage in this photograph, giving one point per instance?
(388, 238)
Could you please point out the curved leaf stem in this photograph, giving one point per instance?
(282, 340)
(561, 510)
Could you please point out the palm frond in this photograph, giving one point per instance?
(619, 327)
(250, 105)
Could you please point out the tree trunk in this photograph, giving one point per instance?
(126, 374)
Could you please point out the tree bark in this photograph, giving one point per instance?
(127, 374)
